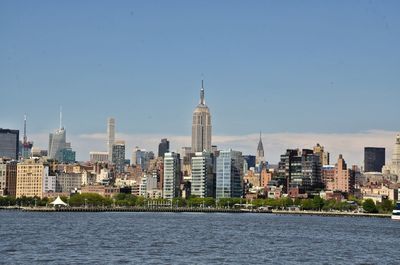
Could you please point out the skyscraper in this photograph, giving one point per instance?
(118, 155)
(172, 175)
(26, 146)
(57, 142)
(260, 152)
(9, 143)
(394, 165)
(203, 175)
(229, 182)
(374, 159)
(110, 137)
(201, 126)
(163, 147)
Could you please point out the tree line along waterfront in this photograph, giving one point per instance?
(128, 200)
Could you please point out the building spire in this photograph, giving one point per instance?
(61, 117)
(25, 138)
(202, 101)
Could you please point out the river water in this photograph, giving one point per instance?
(195, 238)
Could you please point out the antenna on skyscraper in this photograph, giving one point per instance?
(60, 117)
(25, 138)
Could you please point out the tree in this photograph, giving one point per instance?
(386, 206)
(317, 203)
(369, 206)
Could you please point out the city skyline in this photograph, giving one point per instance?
(146, 65)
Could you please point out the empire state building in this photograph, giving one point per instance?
(201, 127)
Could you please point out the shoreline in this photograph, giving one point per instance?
(194, 210)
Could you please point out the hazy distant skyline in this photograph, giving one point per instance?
(310, 68)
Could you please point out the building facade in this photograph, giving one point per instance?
(110, 137)
(9, 143)
(299, 170)
(118, 155)
(163, 147)
(323, 155)
(394, 166)
(374, 159)
(172, 175)
(201, 126)
(229, 167)
(98, 156)
(31, 174)
(203, 175)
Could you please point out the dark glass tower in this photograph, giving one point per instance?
(374, 159)
(9, 143)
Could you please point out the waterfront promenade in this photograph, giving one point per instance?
(192, 210)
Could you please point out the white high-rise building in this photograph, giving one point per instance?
(201, 126)
(110, 137)
(394, 166)
(172, 172)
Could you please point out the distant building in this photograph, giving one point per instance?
(394, 166)
(229, 183)
(172, 175)
(343, 179)
(3, 178)
(323, 156)
(67, 154)
(203, 175)
(31, 177)
(57, 142)
(98, 156)
(374, 159)
(260, 153)
(118, 155)
(250, 160)
(201, 126)
(37, 152)
(9, 143)
(66, 182)
(141, 157)
(26, 146)
(110, 137)
(163, 147)
(300, 170)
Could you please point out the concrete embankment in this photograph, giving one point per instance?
(192, 210)
(335, 214)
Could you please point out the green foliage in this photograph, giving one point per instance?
(386, 206)
(369, 206)
(89, 200)
(317, 203)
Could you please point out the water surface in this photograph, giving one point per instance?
(195, 238)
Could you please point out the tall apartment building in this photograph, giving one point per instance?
(343, 179)
(172, 175)
(110, 137)
(31, 177)
(300, 169)
(203, 175)
(229, 182)
(118, 155)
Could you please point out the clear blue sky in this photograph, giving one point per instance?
(275, 66)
